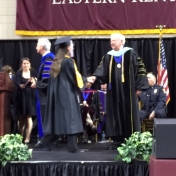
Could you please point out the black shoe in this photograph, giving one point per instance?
(40, 144)
(74, 151)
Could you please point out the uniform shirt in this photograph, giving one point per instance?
(154, 98)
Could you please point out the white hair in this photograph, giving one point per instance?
(45, 43)
(118, 36)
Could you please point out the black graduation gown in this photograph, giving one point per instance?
(121, 102)
(62, 115)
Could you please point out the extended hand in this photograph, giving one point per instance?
(91, 79)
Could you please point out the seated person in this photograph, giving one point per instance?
(8, 69)
(102, 107)
(88, 112)
(153, 100)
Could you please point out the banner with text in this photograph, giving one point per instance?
(91, 17)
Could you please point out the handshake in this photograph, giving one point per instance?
(91, 79)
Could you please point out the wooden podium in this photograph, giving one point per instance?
(6, 87)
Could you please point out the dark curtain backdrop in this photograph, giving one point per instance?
(88, 54)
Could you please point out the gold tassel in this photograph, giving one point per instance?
(123, 79)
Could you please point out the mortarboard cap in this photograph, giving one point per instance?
(63, 42)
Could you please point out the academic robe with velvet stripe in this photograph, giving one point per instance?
(62, 115)
(42, 86)
(42, 80)
(121, 102)
(43, 76)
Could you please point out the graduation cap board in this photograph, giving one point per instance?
(62, 42)
(119, 53)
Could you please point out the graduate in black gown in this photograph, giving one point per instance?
(62, 115)
(124, 72)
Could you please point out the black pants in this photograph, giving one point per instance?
(161, 113)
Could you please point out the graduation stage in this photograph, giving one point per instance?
(94, 161)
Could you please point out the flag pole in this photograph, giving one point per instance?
(162, 71)
(160, 27)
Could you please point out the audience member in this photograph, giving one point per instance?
(8, 69)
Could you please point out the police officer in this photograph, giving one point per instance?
(153, 100)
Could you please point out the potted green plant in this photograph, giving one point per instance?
(12, 149)
(138, 146)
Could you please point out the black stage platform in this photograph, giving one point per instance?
(94, 161)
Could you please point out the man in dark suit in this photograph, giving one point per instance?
(153, 100)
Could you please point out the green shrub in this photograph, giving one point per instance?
(138, 146)
(12, 149)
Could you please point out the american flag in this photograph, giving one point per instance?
(162, 70)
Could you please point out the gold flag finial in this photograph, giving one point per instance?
(160, 27)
